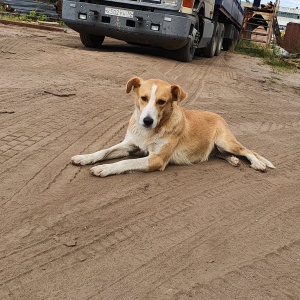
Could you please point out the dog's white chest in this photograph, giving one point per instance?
(144, 139)
(138, 135)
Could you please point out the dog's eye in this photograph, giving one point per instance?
(161, 102)
(144, 98)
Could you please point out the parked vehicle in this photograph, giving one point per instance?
(186, 27)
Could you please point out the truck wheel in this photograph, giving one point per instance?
(91, 40)
(186, 53)
(227, 43)
(210, 49)
(220, 35)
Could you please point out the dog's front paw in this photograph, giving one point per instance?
(82, 160)
(101, 170)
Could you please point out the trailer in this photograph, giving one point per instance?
(185, 27)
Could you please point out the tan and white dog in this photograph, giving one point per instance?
(166, 133)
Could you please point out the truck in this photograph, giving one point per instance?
(184, 27)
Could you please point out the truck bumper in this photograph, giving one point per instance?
(159, 29)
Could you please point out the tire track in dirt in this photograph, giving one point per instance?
(169, 260)
(243, 128)
(13, 49)
(36, 139)
(43, 143)
(122, 235)
(10, 100)
(206, 86)
(117, 238)
(287, 143)
(41, 126)
(170, 193)
(9, 47)
(199, 83)
(280, 214)
(108, 120)
(109, 243)
(165, 197)
(254, 275)
(111, 204)
(63, 174)
(33, 106)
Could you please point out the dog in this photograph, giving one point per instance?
(164, 132)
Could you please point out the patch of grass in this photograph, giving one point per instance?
(279, 63)
(35, 16)
(15, 17)
(251, 49)
(32, 17)
(267, 54)
(28, 18)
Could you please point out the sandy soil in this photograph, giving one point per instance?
(207, 231)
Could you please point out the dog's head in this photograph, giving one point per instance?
(154, 99)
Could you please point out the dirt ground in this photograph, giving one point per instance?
(207, 231)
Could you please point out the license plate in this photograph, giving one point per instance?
(119, 12)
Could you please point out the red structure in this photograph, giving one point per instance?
(291, 41)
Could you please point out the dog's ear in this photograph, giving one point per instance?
(178, 93)
(133, 83)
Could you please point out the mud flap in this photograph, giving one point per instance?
(208, 30)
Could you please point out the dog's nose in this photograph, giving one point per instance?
(148, 121)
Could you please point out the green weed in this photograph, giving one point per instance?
(31, 17)
(267, 54)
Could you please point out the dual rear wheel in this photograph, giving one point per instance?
(215, 45)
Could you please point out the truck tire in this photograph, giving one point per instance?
(227, 43)
(220, 35)
(91, 40)
(210, 49)
(186, 53)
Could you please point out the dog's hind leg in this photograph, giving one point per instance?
(228, 143)
(264, 160)
(120, 150)
(234, 161)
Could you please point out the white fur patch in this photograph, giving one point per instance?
(150, 109)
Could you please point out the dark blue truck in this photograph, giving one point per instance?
(185, 27)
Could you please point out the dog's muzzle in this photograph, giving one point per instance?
(148, 121)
